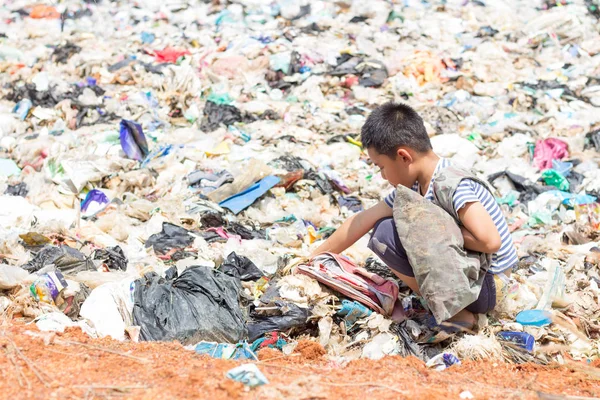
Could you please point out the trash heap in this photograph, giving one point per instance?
(166, 167)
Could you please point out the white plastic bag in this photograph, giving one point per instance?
(109, 308)
(11, 276)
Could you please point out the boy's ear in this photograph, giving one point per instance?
(404, 155)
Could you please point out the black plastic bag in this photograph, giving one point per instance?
(171, 237)
(217, 114)
(593, 140)
(20, 189)
(245, 233)
(241, 267)
(62, 53)
(67, 259)
(289, 316)
(373, 73)
(527, 189)
(113, 257)
(201, 304)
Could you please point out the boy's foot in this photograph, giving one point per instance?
(464, 321)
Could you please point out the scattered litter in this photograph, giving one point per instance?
(248, 374)
(167, 169)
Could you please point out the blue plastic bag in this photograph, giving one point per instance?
(133, 140)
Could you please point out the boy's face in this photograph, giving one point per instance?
(397, 171)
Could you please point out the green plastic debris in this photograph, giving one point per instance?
(220, 98)
(510, 198)
(556, 179)
(394, 15)
(55, 169)
(540, 218)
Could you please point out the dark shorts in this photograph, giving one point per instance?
(386, 244)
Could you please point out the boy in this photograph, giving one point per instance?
(397, 143)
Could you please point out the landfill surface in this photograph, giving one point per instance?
(166, 168)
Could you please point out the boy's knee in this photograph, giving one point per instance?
(382, 236)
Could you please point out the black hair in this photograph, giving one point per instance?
(392, 125)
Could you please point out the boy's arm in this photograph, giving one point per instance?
(354, 228)
(479, 231)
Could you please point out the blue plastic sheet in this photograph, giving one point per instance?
(245, 199)
(226, 351)
(572, 199)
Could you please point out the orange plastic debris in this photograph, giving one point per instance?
(42, 11)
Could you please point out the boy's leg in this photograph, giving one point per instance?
(386, 244)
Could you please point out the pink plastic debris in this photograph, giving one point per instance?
(547, 150)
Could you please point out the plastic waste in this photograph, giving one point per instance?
(352, 311)
(245, 199)
(273, 341)
(20, 189)
(534, 318)
(240, 267)
(133, 140)
(66, 259)
(11, 276)
(170, 55)
(171, 237)
(254, 171)
(286, 317)
(442, 361)
(147, 37)
(352, 203)
(22, 109)
(226, 351)
(47, 287)
(199, 305)
(571, 199)
(383, 344)
(112, 257)
(94, 202)
(556, 179)
(109, 308)
(42, 11)
(248, 374)
(521, 339)
(547, 150)
(8, 168)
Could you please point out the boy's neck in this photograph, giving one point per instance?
(427, 166)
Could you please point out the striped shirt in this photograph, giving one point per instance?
(468, 192)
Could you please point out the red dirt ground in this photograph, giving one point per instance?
(73, 366)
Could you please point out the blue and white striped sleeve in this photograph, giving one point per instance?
(389, 199)
(466, 192)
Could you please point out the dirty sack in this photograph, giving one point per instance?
(448, 276)
(200, 304)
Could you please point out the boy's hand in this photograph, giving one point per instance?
(353, 229)
(479, 231)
